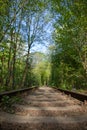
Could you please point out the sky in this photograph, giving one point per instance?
(47, 42)
(43, 38)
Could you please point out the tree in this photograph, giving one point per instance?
(70, 41)
(41, 68)
(21, 27)
(34, 26)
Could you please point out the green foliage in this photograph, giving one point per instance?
(8, 102)
(3, 6)
(41, 69)
(21, 27)
(69, 57)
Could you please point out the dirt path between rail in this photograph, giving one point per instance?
(46, 109)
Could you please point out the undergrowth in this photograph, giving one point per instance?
(7, 103)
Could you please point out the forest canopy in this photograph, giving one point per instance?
(61, 26)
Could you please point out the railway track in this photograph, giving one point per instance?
(15, 92)
(79, 96)
(46, 109)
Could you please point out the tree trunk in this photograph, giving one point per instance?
(9, 74)
(25, 70)
(14, 63)
(2, 68)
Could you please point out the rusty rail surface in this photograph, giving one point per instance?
(14, 92)
(79, 96)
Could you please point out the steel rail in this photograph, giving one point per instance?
(79, 96)
(14, 92)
